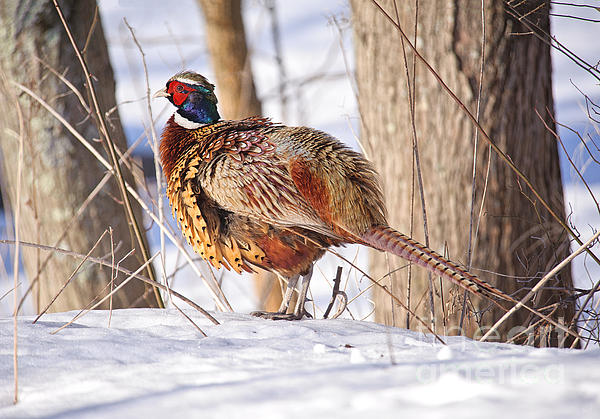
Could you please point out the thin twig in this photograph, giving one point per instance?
(370, 286)
(67, 83)
(17, 220)
(213, 287)
(276, 37)
(384, 289)
(474, 171)
(566, 152)
(412, 195)
(121, 285)
(587, 300)
(8, 291)
(155, 150)
(188, 318)
(485, 135)
(416, 159)
(90, 31)
(113, 274)
(335, 292)
(545, 37)
(67, 228)
(540, 283)
(507, 297)
(113, 155)
(368, 148)
(68, 281)
(123, 270)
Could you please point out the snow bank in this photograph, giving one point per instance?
(153, 363)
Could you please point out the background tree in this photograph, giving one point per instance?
(59, 173)
(226, 42)
(517, 239)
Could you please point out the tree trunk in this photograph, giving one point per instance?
(226, 41)
(59, 174)
(518, 241)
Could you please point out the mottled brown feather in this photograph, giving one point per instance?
(250, 193)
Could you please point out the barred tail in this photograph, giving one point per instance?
(387, 239)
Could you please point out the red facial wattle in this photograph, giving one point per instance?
(179, 92)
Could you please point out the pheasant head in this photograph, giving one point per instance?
(194, 97)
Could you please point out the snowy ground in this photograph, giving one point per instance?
(154, 364)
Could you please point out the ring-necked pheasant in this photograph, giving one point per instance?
(253, 193)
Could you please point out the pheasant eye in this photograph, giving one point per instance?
(179, 88)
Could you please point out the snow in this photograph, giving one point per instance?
(153, 363)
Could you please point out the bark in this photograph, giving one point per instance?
(59, 173)
(226, 41)
(518, 240)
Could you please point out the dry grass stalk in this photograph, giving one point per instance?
(483, 133)
(68, 281)
(113, 155)
(17, 217)
(164, 229)
(103, 262)
(212, 285)
(155, 150)
(106, 297)
(417, 171)
(474, 171)
(539, 285)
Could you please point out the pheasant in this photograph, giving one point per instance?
(252, 193)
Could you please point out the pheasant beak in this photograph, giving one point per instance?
(161, 93)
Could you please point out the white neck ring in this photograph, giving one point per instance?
(186, 123)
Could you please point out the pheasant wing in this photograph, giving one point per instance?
(261, 188)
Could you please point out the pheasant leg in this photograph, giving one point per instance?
(299, 310)
(281, 314)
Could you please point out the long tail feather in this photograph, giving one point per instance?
(387, 239)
